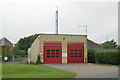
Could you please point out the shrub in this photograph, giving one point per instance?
(31, 62)
(27, 61)
(38, 60)
(108, 57)
(91, 56)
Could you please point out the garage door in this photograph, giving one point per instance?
(52, 53)
(75, 53)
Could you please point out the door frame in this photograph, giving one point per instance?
(68, 45)
(53, 44)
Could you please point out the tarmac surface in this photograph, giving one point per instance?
(88, 70)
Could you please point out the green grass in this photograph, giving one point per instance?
(33, 71)
(0, 71)
(109, 65)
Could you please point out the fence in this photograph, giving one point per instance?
(16, 59)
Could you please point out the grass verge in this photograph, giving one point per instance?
(0, 71)
(33, 71)
(108, 65)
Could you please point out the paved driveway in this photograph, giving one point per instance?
(88, 70)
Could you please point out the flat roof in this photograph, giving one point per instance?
(63, 34)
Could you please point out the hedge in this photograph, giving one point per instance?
(91, 56)
(108, 57)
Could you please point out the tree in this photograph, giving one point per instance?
(118, 47)
(23, 44)
(109, 45)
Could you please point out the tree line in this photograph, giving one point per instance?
(21, 47)
(23, 44)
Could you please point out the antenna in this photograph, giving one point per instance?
(56, 21)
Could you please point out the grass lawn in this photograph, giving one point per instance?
(109, 65)
(0, 71)
(33, 71)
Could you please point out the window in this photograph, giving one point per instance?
(48, 50)
(80, 50)
(75, 50)
(57, 50)
(71, 50)
(52, 56)
(48, 53)
(71, 53)
(52, 53)
(48, 56)
(80, 53)
(57, 53)
(52, 50)
(75, 53)
(57, 56)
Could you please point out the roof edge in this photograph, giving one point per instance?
(63, 34)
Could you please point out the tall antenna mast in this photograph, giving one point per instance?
(56, 21)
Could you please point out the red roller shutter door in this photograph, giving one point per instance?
(75, 53)
(52, 53)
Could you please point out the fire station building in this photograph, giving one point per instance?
(59, 48)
